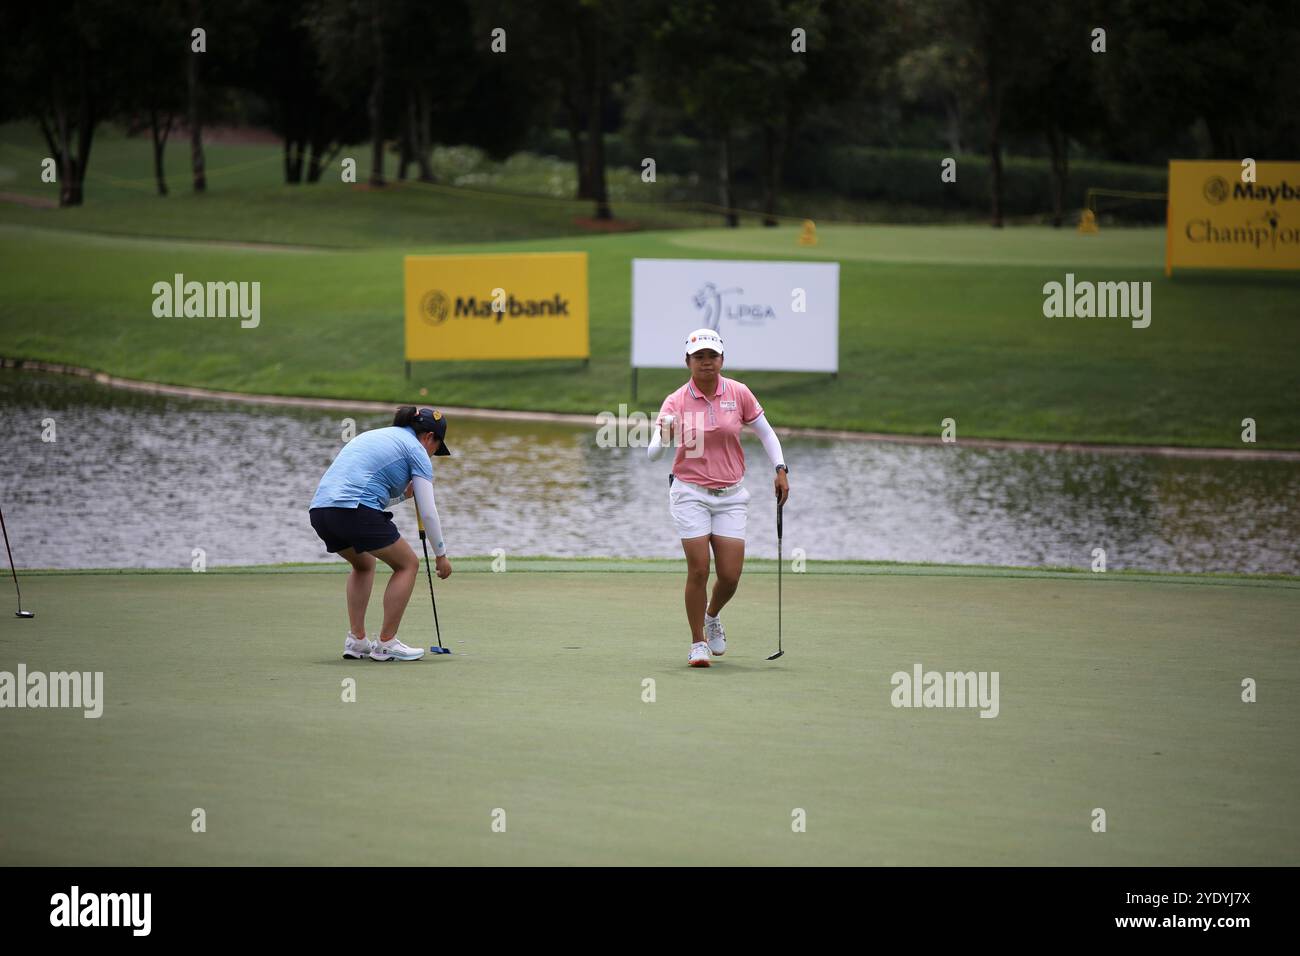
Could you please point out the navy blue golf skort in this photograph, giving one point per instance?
(359, 528)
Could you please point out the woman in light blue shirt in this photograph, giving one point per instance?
(374, 470)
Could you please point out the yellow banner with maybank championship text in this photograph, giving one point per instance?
(1218, 220)
(531, 305)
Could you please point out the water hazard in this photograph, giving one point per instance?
(137, 480)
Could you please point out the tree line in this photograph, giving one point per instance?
(1117, 80)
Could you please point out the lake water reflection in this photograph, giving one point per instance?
(139, 480)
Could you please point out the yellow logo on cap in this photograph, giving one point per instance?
(437, 415)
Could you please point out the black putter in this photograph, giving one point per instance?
(779, 560)
(429, 574)
(20, 612)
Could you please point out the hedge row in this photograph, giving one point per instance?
(910, 177)
(913, 176)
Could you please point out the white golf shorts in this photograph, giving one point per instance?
(697, 513)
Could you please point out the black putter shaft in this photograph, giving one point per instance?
(779, 561)
(14, 571)
(424, 544)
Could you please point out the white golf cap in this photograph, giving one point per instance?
(703, 339)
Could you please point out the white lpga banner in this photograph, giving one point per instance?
(780, 316)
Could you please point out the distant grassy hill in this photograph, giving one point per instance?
(247, 199)
(936, 321)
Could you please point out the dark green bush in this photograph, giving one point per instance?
(908, 177)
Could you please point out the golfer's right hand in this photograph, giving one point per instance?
(443, 567)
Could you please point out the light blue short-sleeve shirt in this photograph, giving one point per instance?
(372, 468)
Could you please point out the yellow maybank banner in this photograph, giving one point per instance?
(1217, 221)
(496, 307)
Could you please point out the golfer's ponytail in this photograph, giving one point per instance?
(405, 415)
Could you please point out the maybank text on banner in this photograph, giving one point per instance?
(1219, 221)
(524, 306)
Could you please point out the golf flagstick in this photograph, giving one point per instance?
(779, 561)
(20, 612)
(424, 544)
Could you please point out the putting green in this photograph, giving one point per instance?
(223, 692)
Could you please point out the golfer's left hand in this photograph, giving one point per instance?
(443, 567)
(782, 487)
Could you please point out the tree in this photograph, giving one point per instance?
(936, 75)
(349, 39)
(149, 70)
(998, 36)
(580, 51)
(315, 118)
(694, 57)
(194, 89)
(61, 68)
(432, 77)
(1053, 91)
(1229, 68)
(849, 47)
(732, 67)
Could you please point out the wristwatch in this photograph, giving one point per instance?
(782, 467)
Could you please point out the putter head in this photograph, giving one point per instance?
(24, 613)
(776, 655)
(439, 650)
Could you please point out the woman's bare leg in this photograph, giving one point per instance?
(361, 579)
(406, 566)
(697, 583)
(728, 560)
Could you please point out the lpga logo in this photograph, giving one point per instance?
(709, 301)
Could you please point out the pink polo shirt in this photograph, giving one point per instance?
(708, 432)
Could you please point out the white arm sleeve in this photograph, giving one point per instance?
(771, 444)
(429, 512)
(656, 446)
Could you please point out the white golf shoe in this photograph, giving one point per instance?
(357, 648)
(395, 650)
(699, 655)
(716, 636)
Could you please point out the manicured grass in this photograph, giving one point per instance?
(936, 322)
(223, 691)
(475, 198)
(247, 200)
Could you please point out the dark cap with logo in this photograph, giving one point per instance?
(429, 420)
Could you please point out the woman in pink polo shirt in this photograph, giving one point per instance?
(708, 503)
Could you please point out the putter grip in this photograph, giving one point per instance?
(419, 521)
(779, 509)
